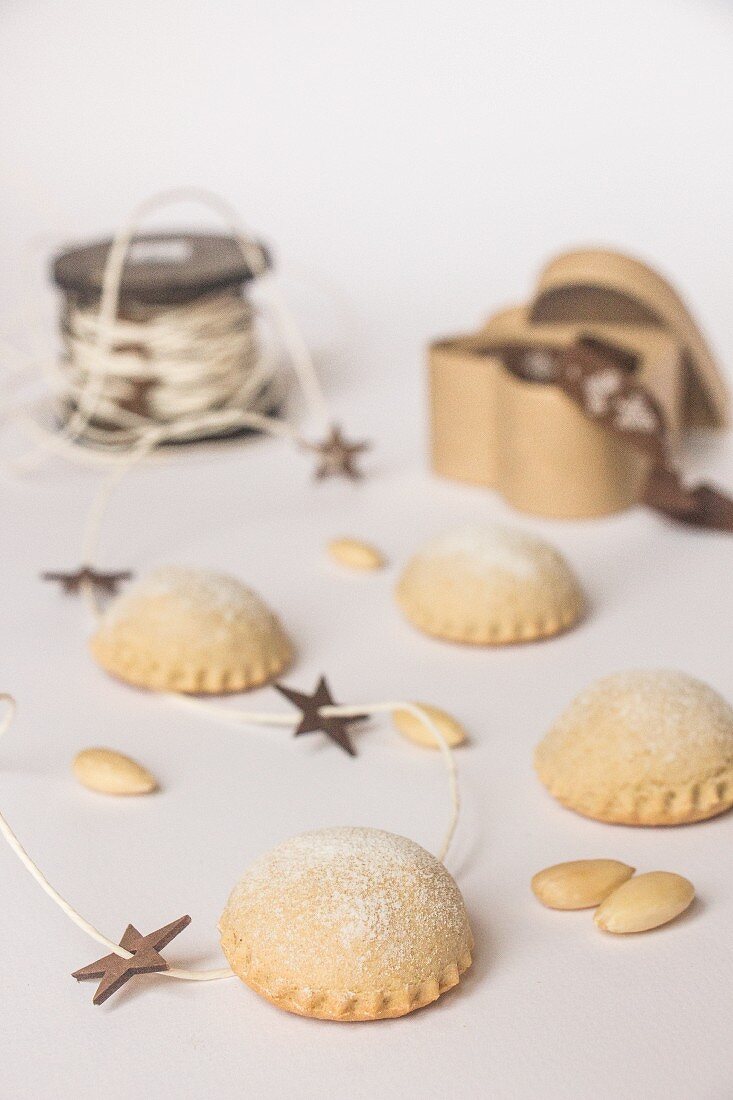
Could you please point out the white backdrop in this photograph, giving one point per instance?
(424, 157)
(413, 164)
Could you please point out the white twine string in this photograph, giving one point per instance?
(199, 356)
(100, 504)
(259, 718)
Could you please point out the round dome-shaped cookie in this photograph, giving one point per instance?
(489, 585)
(347, 924)
(642, 748)
(191, 630)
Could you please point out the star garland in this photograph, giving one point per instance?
(145, 958)
(312, 719)
(337, 455)
(71, 583)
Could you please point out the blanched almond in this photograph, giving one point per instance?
(355, 554)
(580, 884)
(411, 726)
(112, 772)
(645, 902)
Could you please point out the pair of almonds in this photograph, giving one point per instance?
(625, 904)
(111, 772)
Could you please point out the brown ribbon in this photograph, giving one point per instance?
(598, 377)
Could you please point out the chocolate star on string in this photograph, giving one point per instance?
(102, 582)
(312, 721)
(337, 455)
(146, 959)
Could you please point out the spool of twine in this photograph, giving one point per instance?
(186, 340)
(164, 344)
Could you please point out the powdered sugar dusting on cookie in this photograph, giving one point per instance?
(192, 590)
(663, 713)
(487, 550)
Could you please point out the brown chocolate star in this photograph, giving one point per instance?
(337, 455)
(103, 582)
(312, 721)
(146, 959)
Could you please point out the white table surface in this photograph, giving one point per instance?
(551, 1007)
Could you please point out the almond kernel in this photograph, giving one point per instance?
(645, 902)
(410, 726)
(579, 884)
(111, 772)
(355, 554)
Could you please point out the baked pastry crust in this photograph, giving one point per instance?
(347, 924)
(489, 586)
(642, 748)
(191, 631)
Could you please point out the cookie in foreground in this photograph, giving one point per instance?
(347, 924)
